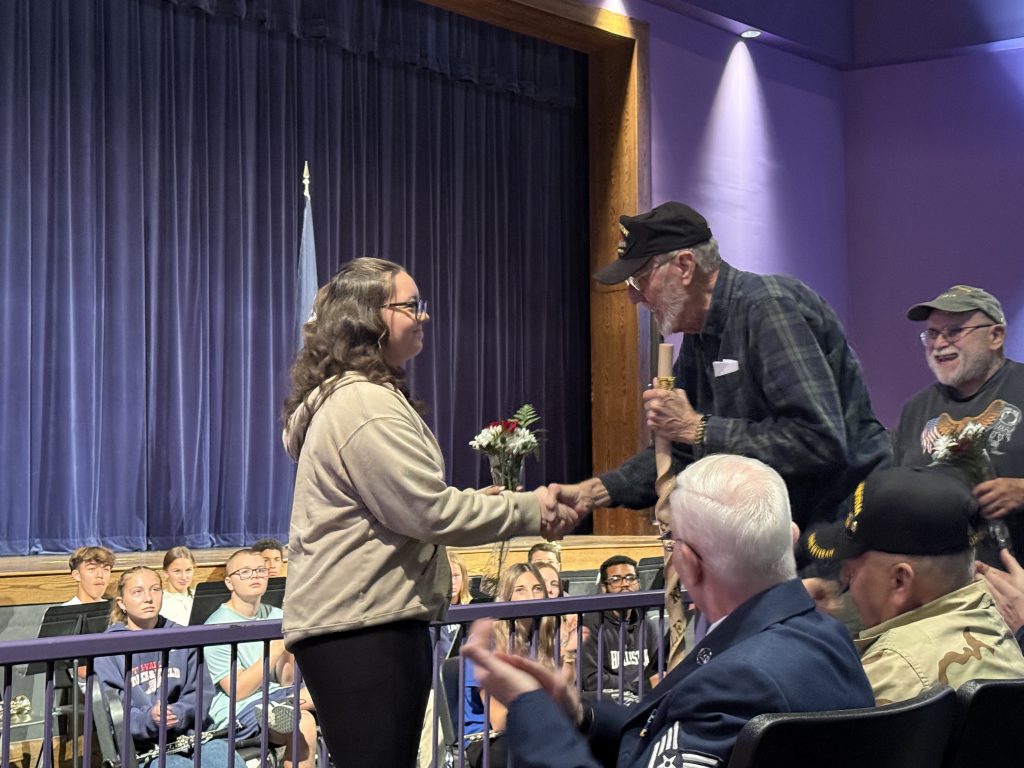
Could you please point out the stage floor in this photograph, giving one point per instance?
(39, 579)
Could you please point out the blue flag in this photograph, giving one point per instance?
(306, 283)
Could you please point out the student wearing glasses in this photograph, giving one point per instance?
(246, 580)
(629, 641)
(964, 335)
(371, 503)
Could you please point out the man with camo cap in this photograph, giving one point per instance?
(977, 386)
(908, 560)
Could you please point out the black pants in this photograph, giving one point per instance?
(370, 690)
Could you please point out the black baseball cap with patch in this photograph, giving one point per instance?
(927, 511)
(668, 227)
(960, 298)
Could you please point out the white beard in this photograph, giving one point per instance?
(669, 308)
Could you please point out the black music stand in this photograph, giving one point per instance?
(61, 621)
(210, 595)
(64, 620)
(275, 592)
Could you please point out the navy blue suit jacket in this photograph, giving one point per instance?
(775, 653)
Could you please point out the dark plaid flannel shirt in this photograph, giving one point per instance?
(798, 401)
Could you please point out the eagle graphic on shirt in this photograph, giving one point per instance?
(999, 419)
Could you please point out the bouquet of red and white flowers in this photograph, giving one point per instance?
(506, 443)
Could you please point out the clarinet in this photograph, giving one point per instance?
(184, 743)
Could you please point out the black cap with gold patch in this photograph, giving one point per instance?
(669, 227)
(926, 511)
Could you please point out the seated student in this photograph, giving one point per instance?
(450, 633)
(519, 581)
(247, 582)
(137, 603)
(768, 648)
(545, 552)
(179, 567)
(90, 568)
(620, 633)
(567, 637)
(907, 555)
(448, 642)
(272, 552)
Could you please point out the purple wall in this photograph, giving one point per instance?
(752, 138)
(878, 187)
(935, 196)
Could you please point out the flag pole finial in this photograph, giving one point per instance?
(305, 180)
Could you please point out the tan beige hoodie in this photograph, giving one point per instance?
(371, 514)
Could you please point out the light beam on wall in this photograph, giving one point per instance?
(615, 6)
(738, 167)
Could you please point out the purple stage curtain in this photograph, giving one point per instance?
(150, 213)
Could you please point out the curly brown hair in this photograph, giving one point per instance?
(346, 333)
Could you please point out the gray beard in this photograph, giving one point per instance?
(671, 306)
(977, 370)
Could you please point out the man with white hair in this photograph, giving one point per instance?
(767, 650)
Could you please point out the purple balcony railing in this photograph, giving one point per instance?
(88, 714)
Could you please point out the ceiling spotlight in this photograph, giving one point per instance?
(750, 34)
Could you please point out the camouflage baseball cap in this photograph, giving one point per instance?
(926, 511)
(960, 298)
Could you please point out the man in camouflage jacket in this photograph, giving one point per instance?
(907, 557)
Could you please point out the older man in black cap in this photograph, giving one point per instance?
(977, 398)
(765, 370)
(907, 557)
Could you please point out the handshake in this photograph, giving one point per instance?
(561, 508)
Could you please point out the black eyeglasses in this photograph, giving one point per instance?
(247, 573)
(615, 581)
(952, 335)
(636, 281)
(417, 307)
(668, 542)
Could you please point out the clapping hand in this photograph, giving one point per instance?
(507, 677)
(1007, 588)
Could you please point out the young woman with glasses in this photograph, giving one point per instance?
(371, 515)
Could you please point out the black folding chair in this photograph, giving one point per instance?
(907, 734)
(989, 712)
(108, 717)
